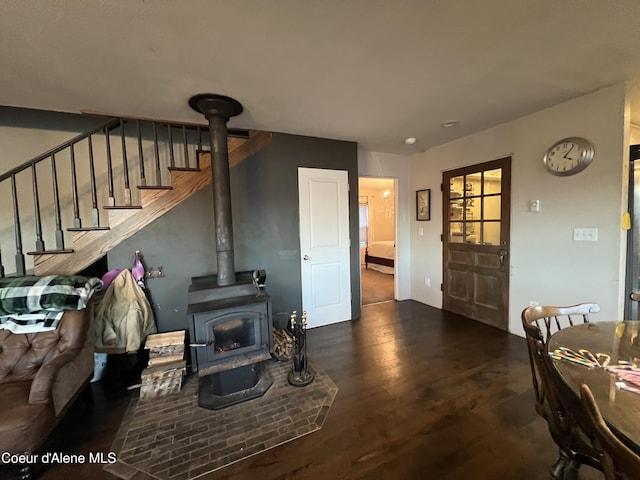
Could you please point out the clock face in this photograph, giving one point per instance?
(568, 156)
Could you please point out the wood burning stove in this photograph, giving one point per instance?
(231, 332)
(229, 312)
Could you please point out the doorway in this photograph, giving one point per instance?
(631, 310)
(476, 213)
(377, 199)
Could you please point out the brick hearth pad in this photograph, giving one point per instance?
(171, 437)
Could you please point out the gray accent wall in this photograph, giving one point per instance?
(266, 228)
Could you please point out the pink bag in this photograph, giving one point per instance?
(137, 270)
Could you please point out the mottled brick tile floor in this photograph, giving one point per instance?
(173, 438)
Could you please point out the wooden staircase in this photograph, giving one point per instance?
(91, 244)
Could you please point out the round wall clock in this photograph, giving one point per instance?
(568, 156)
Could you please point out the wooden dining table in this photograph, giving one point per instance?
(620, 340)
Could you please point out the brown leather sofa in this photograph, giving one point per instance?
(41, 374)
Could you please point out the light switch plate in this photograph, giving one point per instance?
(585, 234)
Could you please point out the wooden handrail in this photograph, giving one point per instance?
(232, 132)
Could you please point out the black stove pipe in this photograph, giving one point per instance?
(218, 109)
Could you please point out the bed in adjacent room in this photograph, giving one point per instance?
(380, 256)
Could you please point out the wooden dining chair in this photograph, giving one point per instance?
(575, 449)
(618, 461)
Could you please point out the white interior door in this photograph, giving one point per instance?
(324, 245)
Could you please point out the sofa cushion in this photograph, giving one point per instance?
(21, 355)
(21, 424)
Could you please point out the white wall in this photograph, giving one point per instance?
(546, 265)
(375, 164)
(634, 135)
(25, 133)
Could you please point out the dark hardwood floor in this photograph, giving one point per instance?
(376, 287)
(423, 394)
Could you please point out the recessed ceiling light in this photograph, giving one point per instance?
(449, 123)
(410, 140)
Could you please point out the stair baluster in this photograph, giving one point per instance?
(172, 160)
(157, 154)
(20, 263)
(77, 222)
(95, 215)
(143, 179)
(36, 206)
(56, 205)
(186, 146)
(111, 202)
(125, 166)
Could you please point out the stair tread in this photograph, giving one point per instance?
(184, 169)
(50, 252)
(122, 207)
(154, 187)
(86, 229)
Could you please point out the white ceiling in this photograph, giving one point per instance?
(369, 71)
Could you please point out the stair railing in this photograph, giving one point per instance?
(59, 202)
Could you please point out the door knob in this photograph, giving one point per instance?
(502, 254)
(306, 257)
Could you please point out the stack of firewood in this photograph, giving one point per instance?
(166, 367)
(282, 344)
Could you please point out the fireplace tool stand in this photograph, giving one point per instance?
(300, 375)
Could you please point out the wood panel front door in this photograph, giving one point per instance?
(476, 203)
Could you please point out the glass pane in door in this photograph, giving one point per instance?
(456, 230)
(472, 209)
(491, 233)
(474, 199)
(456, 220)
(492, 181)
(491, 207)
(472, 232)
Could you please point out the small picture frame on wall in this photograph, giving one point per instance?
(423, 204)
